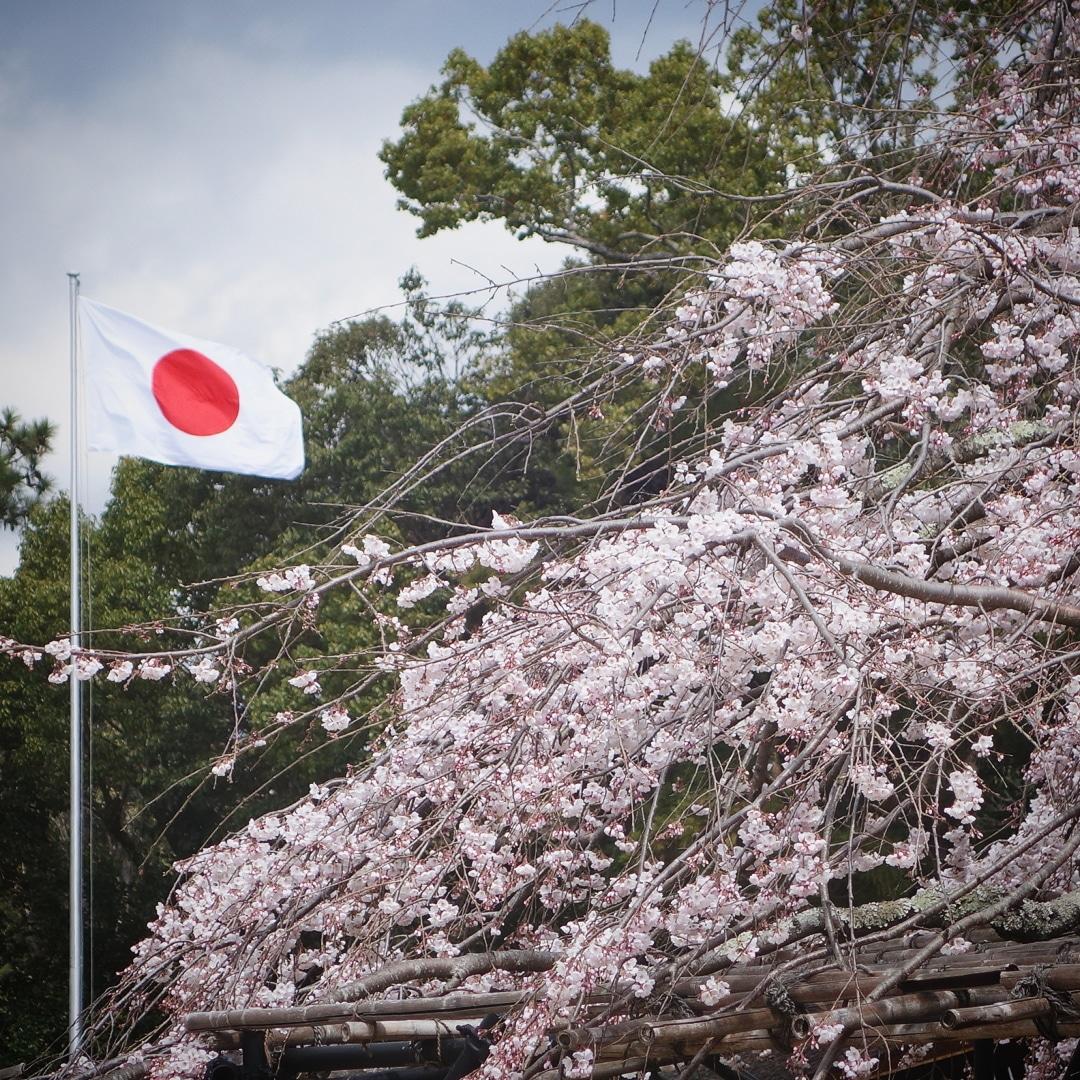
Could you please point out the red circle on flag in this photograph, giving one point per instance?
(195, 394)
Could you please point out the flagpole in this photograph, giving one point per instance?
(75, 875)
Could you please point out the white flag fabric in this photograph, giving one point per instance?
(176, 399)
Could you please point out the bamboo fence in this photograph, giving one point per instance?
(994, 991)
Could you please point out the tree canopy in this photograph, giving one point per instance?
(555, 141)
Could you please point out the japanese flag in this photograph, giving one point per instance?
(181, 401)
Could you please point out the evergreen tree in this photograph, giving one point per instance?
(23, 444)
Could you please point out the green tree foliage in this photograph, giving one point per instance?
(556, 141)
(22, 446)
(145, 739)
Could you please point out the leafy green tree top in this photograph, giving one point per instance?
(556, 141)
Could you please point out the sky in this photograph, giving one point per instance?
(210, 166)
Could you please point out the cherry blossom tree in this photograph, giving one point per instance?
(834, 657)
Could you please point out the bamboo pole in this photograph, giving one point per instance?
(835, 986)
(666, 1032)
(902, 1008)
(876, 963)
(390, 1030)
(936, 1032)
(341, 1012)
(1059, 977)
(1002, 1013)
(352, 1031)
(379, 1031)
(580, 1038)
